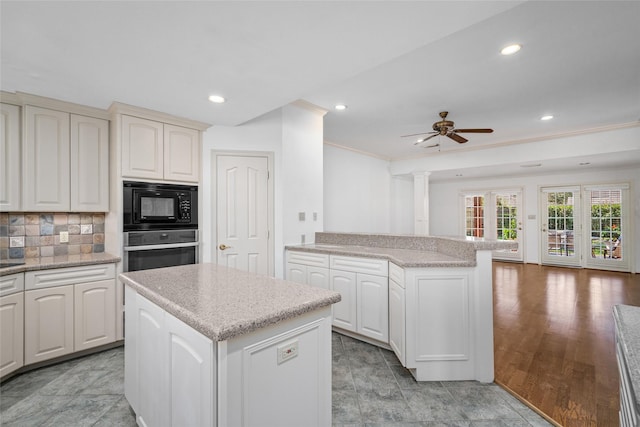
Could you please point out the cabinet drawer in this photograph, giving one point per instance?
(11, 284)
(68, 276)
(396, 274)
(377, 267)
(308, 258)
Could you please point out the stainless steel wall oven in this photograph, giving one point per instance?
(160, 225)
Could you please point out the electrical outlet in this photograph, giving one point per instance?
(287, 351)
(301, 216)
(315, 216)
(64, 237)
(302, 239)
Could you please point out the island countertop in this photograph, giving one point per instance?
(406, 251)
(221, 302)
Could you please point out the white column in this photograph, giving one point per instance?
(421, 202)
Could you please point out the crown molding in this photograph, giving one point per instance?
(22, 99)
(145, 113)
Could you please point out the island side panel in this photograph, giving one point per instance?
(279, 375)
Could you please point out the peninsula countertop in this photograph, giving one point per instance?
(221, 302)
(406, 251)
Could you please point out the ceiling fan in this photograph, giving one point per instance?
(446, 128)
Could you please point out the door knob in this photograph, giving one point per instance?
(222, 247)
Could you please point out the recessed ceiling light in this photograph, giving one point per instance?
(340, 107)
(217, 99)
(547, 117)
(511, 49)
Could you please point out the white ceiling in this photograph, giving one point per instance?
(395, 64)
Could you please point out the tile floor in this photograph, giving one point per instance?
(370, 388)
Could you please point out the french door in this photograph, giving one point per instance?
(560, 218)
(495, 214)
(583, 226)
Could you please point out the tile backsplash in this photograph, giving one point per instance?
(33, 235)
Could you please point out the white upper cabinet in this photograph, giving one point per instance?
(142, 148)
(155, 150)
(89, 164)
(181, 153)
(63, 151)
(46, 166)
(10, 157)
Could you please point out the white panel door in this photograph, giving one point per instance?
(89, 164)
(373, 306)
(11, 333)
(191, 376)
(46, 160)
(48, 323)
(181, 153)
(95, 314)
(242, 213)
(142, 148)
(10, 176)
(344, 312)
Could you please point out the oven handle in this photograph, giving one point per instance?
(165, 246)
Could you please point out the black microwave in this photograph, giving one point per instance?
(153, 206)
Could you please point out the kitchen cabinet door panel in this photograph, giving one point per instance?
(372, 306)
(46, 160)
(181, 154)
(344, 312)
(11, 333)
(142, 148)
(10, 176)
(95, 314)
(48, 323)
(89, 164)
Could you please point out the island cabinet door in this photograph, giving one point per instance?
(191, 375)
(151, 364)
(344, 312)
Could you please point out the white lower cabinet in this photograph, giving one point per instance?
(68, 310)
(11, 323)
(362, 283)
(364, 286)
(308, 268)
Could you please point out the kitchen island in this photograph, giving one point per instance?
(427, 298)
(208, 345)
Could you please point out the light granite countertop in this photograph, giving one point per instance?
(221, 302)
(62, 261)
(406, 251)
(405, 258)
(627, 320)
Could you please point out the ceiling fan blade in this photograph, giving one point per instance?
(473, 130)
(425, 139)
(457, 138)
(416, 134)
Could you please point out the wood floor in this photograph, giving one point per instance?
(554, 339)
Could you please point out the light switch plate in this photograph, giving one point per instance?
(301, 216)
(64, 237)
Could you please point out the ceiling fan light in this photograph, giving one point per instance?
(511, 49)
(340, 107)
